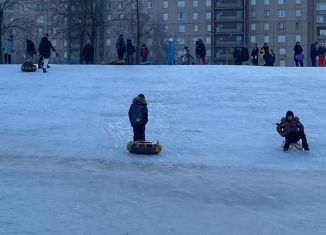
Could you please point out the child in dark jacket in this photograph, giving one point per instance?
(292, 130)
(138, 117)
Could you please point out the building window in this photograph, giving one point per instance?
(266, 13)
(266, 26)
(165, 4)
(195, 3)
(40, 20)
(208, 15)
(108, 42)
(281, 2)
(298, 38)
(181, 41)
(281, 51)
(253, 14)
(182, 29)
(65, 55)
(166, 28)
(65, 43)
(253, 27)
(281, 26)
(253, 39)
(109, 17)
(208, 3)
(281, 13)
(181, 3)
(181, 16)
(195, 27)
(149, 5)
(298, 2)
(298, 13)
(266, 39)
(253, 2)
(208, 40)
(321, 6)
(209, 28)
(266, 2)
(195, 16)
(165, 16)
(281, 39)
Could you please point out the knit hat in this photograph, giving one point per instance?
(141, 96)
(289, 113)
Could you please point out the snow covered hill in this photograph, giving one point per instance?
(65, 169)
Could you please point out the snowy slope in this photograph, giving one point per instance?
(66, 170)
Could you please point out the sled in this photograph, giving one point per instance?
(28, 67)
(144, 147)
(296, 145)
(117, 62)
(145, 63)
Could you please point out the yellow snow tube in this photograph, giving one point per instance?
(144, 147)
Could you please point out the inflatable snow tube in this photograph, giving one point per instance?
(144, 147)
(28, 67)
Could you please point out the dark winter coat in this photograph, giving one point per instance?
(45, 48)
(138, 112)
(264, 50)
(286, 127)
(237, 56)
(30, 47)
(121, 45)
(200, 49)
(130, 48)
(297, 50)
(88, 52)
(244, 54)
(321, 51)
(313, 51)
(254, 55)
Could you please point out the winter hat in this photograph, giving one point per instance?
(141, 96)
(289, 113)
(46, 35)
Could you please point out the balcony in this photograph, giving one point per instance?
(229, 4)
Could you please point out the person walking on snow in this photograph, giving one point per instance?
(30, 50)
(187, 58)
(292, 130)
(45, 48)
(138, 117)
(8, 49)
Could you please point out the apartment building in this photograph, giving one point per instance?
(320, 22)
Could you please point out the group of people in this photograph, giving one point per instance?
(289, 127)
(44, 49)
(317, 51)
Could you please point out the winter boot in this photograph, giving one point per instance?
(286, 146)
(44, 70)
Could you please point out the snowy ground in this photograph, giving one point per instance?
(64, 167)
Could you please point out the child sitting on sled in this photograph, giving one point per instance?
(138, 117)
(292, 130)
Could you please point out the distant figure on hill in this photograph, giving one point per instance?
(298, 55)
(130, 52)
(254, 55)
(144, 53)
(170, 52)
(313, 53)
(88, 53)
(30, 50)
(321, 56)
(121, 47)
(8, 49)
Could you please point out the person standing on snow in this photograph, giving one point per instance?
(201, 51)
(170, 52)
(313, 53)
(121, 47)
(88, 53)
(254, 55)
(130, 52)
(30, 50)
(292, 130)
(144, 53)
(298, 56)
(45, 48)
(8, 49)
(187, 58)
(321, 56)
(265, 51)
(138, 117)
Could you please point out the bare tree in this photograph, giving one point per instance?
(9, 24)
(86, 19)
